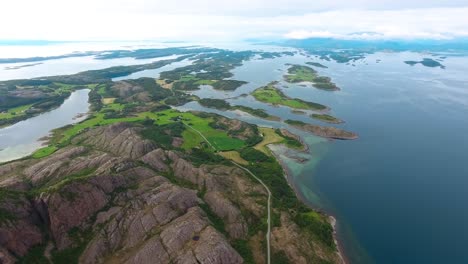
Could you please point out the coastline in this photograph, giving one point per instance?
(332, 219)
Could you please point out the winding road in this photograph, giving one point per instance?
(260, 181)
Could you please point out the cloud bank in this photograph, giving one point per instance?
(222, 20)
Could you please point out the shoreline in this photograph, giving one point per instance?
(332, 219)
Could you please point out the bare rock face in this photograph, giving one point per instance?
(76, 202)
(18, 225)
(177, 142)
(120, 139)
(5, 257)
(233, 219)
(212, 248)
(161, 222)
(125, 89)
(156, 159)
(284, 239)
(110, 187)
(50, 166)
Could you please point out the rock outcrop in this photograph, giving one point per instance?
(114, 197)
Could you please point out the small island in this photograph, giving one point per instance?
(256, 112)
(219, 104)
(316, 64)
(327, 118)
(300, 74)
(327, 132)
(227, 85)
(272, 95)
(223, 105)
(427, 62)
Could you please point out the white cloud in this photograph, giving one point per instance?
(230, 20)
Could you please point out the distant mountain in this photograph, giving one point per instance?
(19, 42)
(454, 45)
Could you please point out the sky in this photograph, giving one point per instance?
(227, 20)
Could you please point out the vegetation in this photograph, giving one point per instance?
(44, 152)
(268, 137)
(272, 95)
(218, 223)
(215, 103)
(271, 173)
(163, 134)
(243, 248)
(35, 256)
(318, 225)
(71, 255)
(299, 73)
(234, 156)
(326, 118)
(15, 111)
(253, 155)
(227, 85)
(428, 62)
(289, 141)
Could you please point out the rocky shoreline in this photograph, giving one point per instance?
(323, 131)
(289, 180)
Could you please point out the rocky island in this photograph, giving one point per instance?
(328, 132)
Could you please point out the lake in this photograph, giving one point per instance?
(23, 138)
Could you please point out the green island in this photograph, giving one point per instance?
(327, 118)
(197, 176)
(327, 132)
(300, 73)
(427, 62)
(272, 95)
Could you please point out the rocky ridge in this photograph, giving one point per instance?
(114, 197)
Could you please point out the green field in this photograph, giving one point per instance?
(220, 139)
(44, 152)
(272, 95)
(16, 111)
(299, 73)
